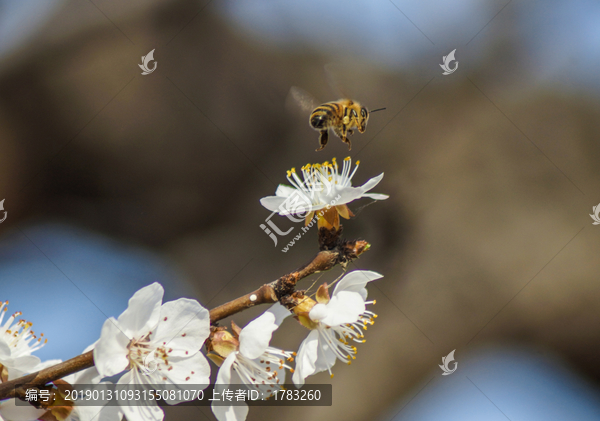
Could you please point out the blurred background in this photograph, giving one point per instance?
(113, 180)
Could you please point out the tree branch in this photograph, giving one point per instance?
(58, 371)
(333, 252)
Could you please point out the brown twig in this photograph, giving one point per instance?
(333, 252)
(81, 362)
(263, 295)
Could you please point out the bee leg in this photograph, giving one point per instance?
(347, 141)
(323, 138)
(350, 132)
(342, 135)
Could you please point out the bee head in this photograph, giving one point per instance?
(362, 120)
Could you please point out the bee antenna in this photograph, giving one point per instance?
(378, 109)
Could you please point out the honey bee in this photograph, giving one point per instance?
(342, 116)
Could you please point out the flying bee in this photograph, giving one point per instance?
(342, 116)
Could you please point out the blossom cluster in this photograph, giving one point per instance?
(154, 343)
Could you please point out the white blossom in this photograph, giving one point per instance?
(334, 321)
(249, 360)
(10, 411)
(91, 376)
(168, 335)
(17, 343)
(322, 188)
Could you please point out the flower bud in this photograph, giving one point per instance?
(301, 310)
(322, 295)
(223, 343)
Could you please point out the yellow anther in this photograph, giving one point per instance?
(347, 158)
(357, 163)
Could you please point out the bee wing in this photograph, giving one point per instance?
(299, 97)
(332, 73)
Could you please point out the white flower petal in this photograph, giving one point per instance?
(225, 377)
(230, 413)
(194, 370)
(4, 348)
(345, 307)
(272, 203)
(255, 337)
(347, 195)
(46, 364)
(149, 412)
(97, 413)
(110, 353)
(280, 313)
(9, 411)
(371, 183)
(318, 312)
(88, 376)
(326, 357)
(356, 281)
(376, 196)
(306, 358)
(284, 191)
(19, 366)
(225, 372)
(183, 326)
(143, 311)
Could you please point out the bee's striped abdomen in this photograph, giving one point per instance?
(323, 115)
